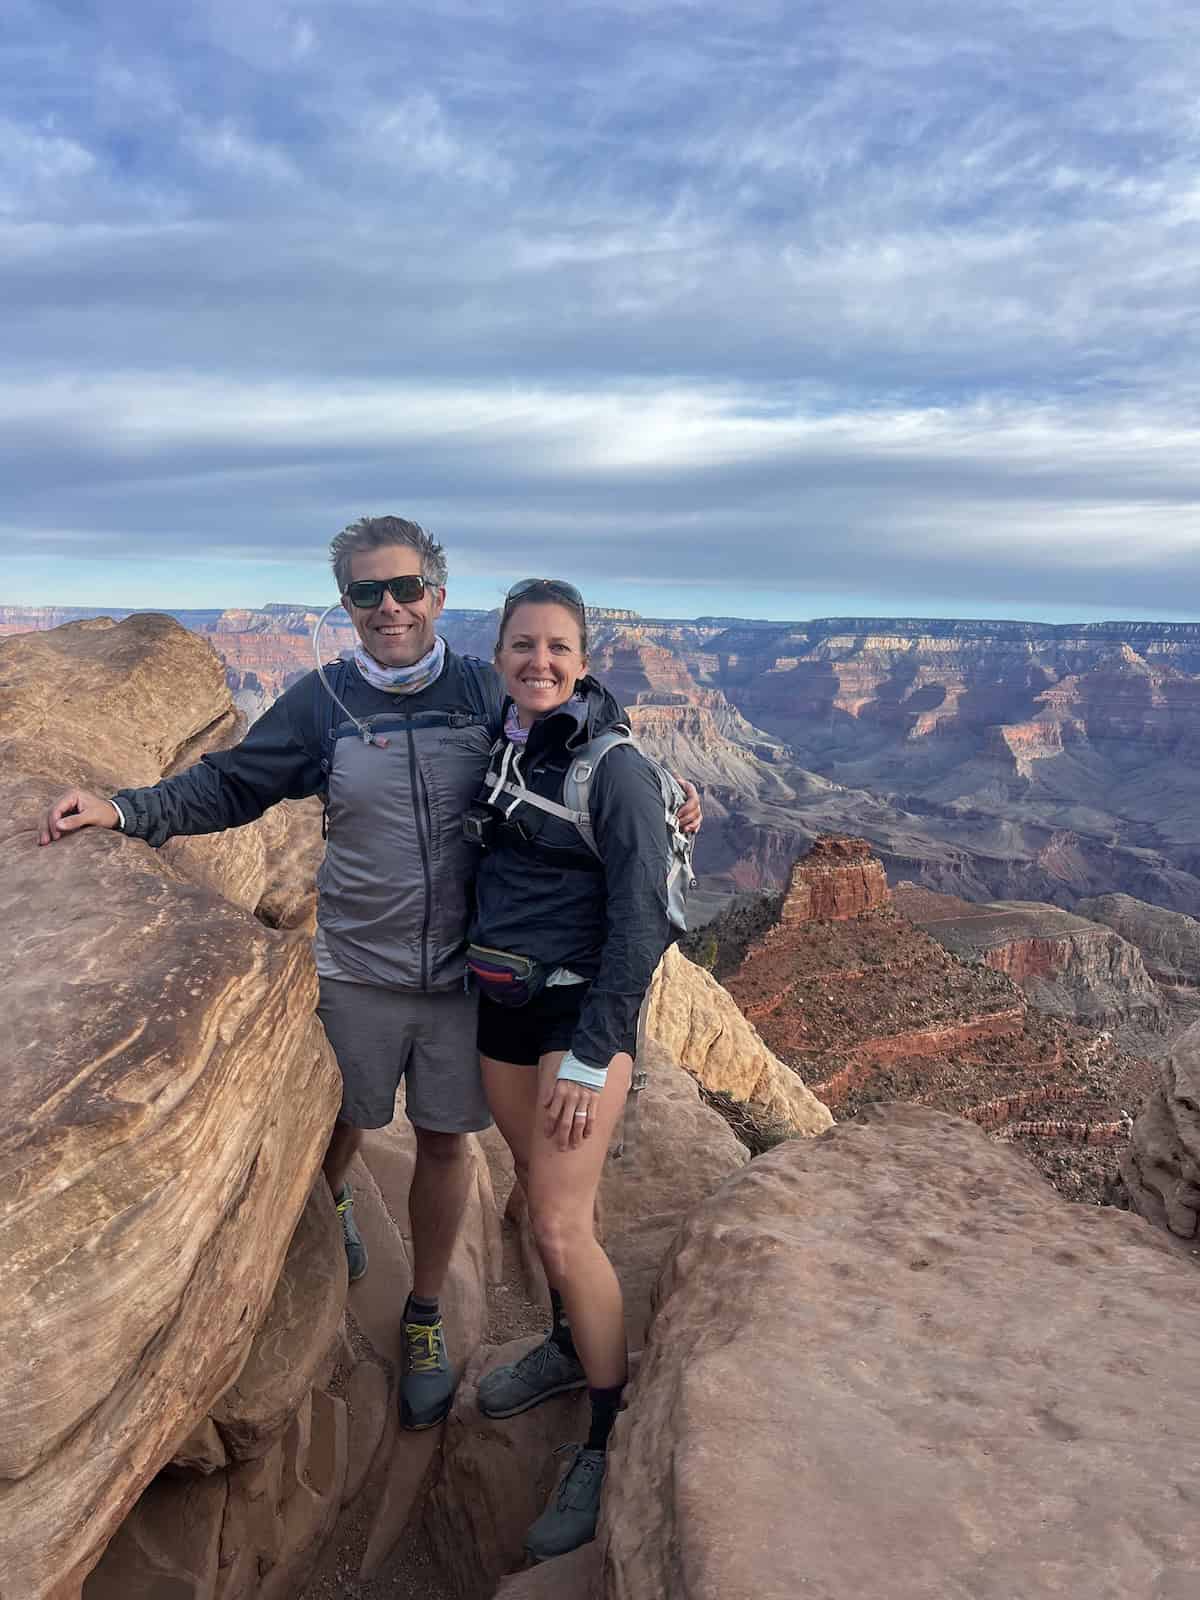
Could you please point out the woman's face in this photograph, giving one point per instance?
(540, 658)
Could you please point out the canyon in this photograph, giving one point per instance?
(200, 1408)
(865, 1006)
(993, 761)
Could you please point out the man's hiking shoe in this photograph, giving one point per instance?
(427, 1385)
(570, 1518)
(547, 1369)
(356, 1250)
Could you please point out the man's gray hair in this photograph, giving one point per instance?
(373, 533)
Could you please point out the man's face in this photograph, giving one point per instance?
(396, 633)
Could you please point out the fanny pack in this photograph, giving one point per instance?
(507, 979)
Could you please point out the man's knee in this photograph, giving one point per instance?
(440, 1149)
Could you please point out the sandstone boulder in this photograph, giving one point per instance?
(302, 1323)
(496, 1475)
(164, 1106)
(892, 1361)
(1162, 1166)
(699, 1025)
(251, 1534)
(108, 704)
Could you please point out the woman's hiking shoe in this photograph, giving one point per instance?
(547, 1369)
(427, 1384)
(356, 1250)
(570, 1518)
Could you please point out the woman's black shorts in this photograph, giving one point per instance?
(523, 1034)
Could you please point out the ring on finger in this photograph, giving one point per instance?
(586, 1115)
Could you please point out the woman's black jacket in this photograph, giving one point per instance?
(541, 893)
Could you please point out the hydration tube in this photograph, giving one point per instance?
(364, 732)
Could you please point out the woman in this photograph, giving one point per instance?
(583, 933)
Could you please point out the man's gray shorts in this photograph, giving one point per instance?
(382, 1035)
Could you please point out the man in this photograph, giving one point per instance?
(394, 886)
(397, 741)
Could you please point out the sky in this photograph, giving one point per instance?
(775, 309)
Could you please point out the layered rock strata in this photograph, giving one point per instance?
(938, 1342)
(1168, 940)
(868, 1007)
(156, 1167)
(1066, 964)
(837, 879)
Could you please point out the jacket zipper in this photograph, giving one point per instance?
(424, 822)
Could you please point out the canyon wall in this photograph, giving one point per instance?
(1169, 941)
(1065, 964)
(991, 760)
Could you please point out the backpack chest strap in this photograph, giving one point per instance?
(519, 795)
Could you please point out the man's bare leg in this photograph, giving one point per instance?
(344, 1143)
(436, 1202)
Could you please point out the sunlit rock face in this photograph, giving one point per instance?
(938, 1342)
(165, 1103)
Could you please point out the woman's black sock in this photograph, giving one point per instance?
(605, 1405)
(561, 1331)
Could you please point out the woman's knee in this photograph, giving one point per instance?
(561, 1235)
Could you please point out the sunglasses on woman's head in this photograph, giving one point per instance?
(555, 586)
(366, 593)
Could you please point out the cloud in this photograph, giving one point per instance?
(765, 289)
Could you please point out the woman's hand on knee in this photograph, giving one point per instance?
(570, 1113)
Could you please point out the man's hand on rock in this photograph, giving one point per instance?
(74, 810)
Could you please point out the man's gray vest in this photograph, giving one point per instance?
(396, 883)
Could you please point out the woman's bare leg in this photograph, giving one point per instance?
(512, 1096)
(562, 1199)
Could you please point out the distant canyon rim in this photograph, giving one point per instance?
(989, 760)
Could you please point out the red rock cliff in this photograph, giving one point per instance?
(838, 879)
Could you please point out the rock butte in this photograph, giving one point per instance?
(866, 1007)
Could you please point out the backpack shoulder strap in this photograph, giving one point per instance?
(474, 671)
(333, 681)
(577, 787)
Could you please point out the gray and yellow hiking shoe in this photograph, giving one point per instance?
(356, 1250)
(570, 1518)
(547, 1369)
(427, 1384)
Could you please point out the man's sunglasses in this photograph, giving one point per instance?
(555, 586)
(366, 593)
